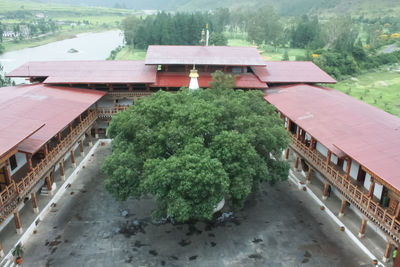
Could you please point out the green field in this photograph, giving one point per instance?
(68, 18)
(268, 52)
(380, 89)
(128, 54)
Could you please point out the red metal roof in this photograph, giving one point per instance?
(100, 71)
(368, 135)
(15, 130)
(31, 106)
(173, 79)
(292, 72)
(203, 55)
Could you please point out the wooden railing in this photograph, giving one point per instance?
(371, 209)
(130, 94)
(16, 192)
(108, 112)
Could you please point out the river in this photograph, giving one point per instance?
(90, 46)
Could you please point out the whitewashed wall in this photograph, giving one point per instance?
(21, 161)
(378, 187)
(321, 149)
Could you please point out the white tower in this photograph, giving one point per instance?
(194, 83)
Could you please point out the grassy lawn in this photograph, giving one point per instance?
(380, 89)
(276, 54)
(269, 52)
(128, 54)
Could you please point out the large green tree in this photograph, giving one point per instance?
(192, 149)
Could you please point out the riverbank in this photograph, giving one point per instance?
(89, 46)
(57, 36)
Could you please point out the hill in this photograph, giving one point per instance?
(285, 7)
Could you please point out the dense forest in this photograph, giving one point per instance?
(341, 45)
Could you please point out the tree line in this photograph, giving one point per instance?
(340, 45)
(168, 29)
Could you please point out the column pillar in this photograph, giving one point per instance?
(397, 212)
(312, 143)
(18, 224)
(62, 172)
(96, 131)
(348, 167)
(371, 187)
(309, 174)
(59, 137)
(288, 125)
(7, 173)
(328, 158)
(45, 150)
(73, 159)
(81, 147)
(90, 137)
(287, 153)
(1, 251)
(342, 207)
(29, 161)
(386, 257)
(70, 128)
(326, 191)
(34, 203)
(361, 234)
(49, 183)
(296, 164)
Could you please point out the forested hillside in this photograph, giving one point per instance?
(285, 7)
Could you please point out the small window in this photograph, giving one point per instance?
(236, 70)
(13, 162)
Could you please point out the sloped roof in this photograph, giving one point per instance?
(291, 72)
(203, 55)
(31, 106)
(367, 134)
(14, 130)
(97, 71)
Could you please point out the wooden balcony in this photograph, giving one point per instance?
(354, 195)
(129, 95)
(15, 193)
(108, 112)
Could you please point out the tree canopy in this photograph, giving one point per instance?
(176, 29)
(192, 149)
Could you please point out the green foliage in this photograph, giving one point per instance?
(18, 251)
(337, 64)
(4, 81)
(285, 56)
(306, 33)
(222, 81)
(218, 39)
(264, 29)
(114, 53)
(177, 29)
(193, 148)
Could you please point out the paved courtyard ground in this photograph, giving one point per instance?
(279, 226)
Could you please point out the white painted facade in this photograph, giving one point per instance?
(378, 187)
(21, 161)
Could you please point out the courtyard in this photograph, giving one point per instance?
(279, 226)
